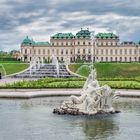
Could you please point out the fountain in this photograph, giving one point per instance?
(94, 99)
(34, 66)
(38, 69)
(42, 61)
(56, 64)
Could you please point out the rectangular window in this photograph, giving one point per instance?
(43, 51)
(120, 51)
(130, 51)
(38, 51)
(101, 51)
(116, 52)
(125, 51)
(66, 51)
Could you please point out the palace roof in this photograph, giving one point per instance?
(63, 36)
(28, 41)
(41, 43)
(106, 36)
(83, 34)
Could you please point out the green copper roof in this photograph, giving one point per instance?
(106, 36)
(63, 36)
(28, 41)
(42, 43)
(83, 34)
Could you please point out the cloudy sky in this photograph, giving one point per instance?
(39, 19)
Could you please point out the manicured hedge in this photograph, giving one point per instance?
(70, 83)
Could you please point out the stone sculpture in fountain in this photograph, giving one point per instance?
(94, 99)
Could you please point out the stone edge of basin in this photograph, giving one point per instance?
(34, 93)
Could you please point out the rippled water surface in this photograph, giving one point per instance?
(33, 120)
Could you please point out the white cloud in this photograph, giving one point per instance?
(40, 20)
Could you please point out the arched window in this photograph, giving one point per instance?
(97, 51)
(48, 52)
(135, 59)
(78, 50)
(84, 51)
(57, 52)
(34, 51)
(111, 51)
(135, 52)
(106, 58)
(101, 51)
(116, 51)
(130, 51)
(25, 51)
(43, 51)
(125, 59)
(39, 51)
(120, 51)
(66, 51)
(106, 51)
(102, 59)
(61, 51)
(125, 51)
(84, 43)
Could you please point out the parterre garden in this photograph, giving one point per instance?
(117, 75)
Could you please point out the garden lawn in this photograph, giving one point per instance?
(11, 68)
(110, 71)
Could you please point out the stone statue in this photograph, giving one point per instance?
(93, 100)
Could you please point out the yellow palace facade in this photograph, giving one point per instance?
(106, 47)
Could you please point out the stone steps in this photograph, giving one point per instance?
(46, 70)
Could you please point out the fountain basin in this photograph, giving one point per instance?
(33, 119)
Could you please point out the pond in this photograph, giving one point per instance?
(33, 120)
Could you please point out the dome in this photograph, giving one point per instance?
(27, 41)
(83, 34)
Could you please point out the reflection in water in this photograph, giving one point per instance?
(128, 104)
(33, 120)
(99, 128)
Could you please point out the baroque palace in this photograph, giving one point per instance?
(105, 47)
